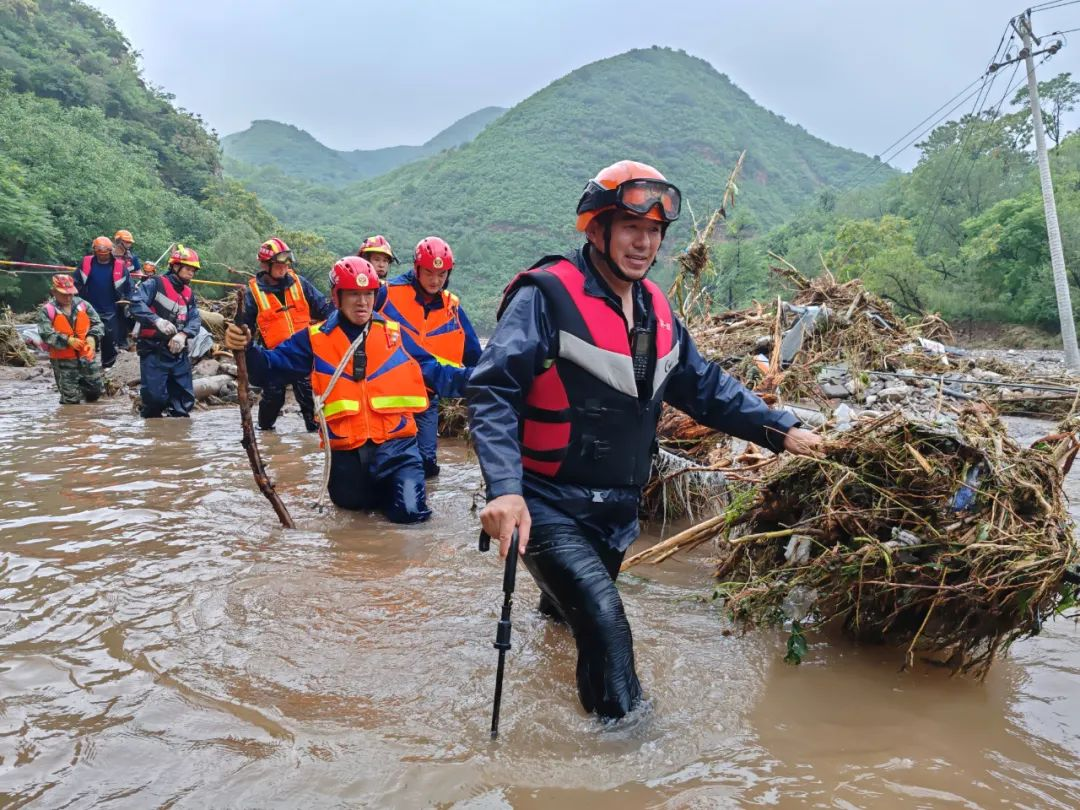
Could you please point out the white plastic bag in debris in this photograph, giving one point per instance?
(32, 338)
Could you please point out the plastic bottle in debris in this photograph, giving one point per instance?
(965, 496)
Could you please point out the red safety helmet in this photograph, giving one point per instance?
(352, 273)
(184, 255)
(631, 186)
(433, 253)
(275, 250)
(102, 244)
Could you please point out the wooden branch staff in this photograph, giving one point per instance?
(258, 469)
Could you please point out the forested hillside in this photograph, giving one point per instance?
(87, 147)
(508, 197)
(292, 151)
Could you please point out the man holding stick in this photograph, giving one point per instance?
(368, 390)
(563, 409)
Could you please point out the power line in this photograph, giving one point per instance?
(1050, 6)
(953, 159)
(1010, 86)
(906, 143)
(886, 156)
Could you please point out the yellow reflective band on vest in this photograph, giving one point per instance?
(442, 361)
(381, 403)
(341, 406)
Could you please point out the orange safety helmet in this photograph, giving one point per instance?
(102, 244)
(184, 255)
(352, 273)
(631, 186)
(64, 283)
(125, 235)
(377, 244)
(272, 249)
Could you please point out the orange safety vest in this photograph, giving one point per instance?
(63, 327)
(439, 333)
(278, 323)
(379, 406)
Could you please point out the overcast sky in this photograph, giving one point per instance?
(858, 73)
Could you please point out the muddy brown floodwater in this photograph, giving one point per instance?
(163, 643)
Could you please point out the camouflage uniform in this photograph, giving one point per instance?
(77, 378)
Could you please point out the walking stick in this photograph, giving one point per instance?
(502, 635)
(266, 486)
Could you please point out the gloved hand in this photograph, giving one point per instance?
(75, 343)
(177, 343)
(237, 338)
(91, 343)
(165, 327)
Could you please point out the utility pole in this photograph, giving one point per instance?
(1022, 24)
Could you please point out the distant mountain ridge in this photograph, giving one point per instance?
(298, 154)
(508, 196)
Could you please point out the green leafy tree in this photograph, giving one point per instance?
(1056, 97)
(882, 253)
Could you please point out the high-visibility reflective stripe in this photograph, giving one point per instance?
(442, 361)
(398, 402)
(260, 297)
(341, 406)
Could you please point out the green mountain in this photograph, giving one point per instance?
(88, 147)
(298, 154)
(507, 197)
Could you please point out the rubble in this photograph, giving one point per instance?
(943, 537)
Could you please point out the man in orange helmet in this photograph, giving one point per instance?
(102, 280)
(168, 317)
(435, 327)
(370, 389)
(122, 242)
(280, 302)
(376, 249)
(563, 409)
(72, 330)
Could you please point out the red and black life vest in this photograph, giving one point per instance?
(119, 271)
(170, 304)
(584, 421)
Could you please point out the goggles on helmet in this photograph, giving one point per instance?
(285, 257)
(638, 196)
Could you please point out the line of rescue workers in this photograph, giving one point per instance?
(563, 400)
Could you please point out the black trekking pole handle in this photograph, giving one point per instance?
(502, 634)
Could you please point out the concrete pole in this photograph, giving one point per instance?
(1057, 258)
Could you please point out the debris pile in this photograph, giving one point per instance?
(13, 348)
(833, 353)
(946, 538)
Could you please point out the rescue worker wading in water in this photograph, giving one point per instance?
(563, 409)
(434, 326)
(279, 302)
(72, 330)
(168, 317)
(102, 280)
(374, 461)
